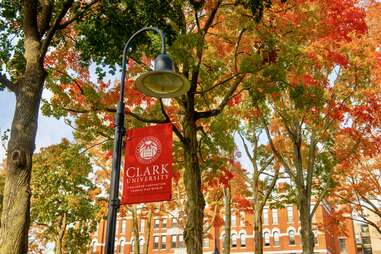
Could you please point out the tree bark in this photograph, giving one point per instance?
(147, 232)
(59, 247)
(258, 237)
(306, 232)
(16, 204)
(195, 203)
(135, 229)
(228, 220)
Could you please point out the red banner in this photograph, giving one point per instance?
(148, 165)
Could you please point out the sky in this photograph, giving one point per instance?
(50, 130)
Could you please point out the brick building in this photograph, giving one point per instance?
(280, 229)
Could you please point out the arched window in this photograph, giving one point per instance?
(266, 237)
(291, 237)
(121, 246)
(234, 240)
(242, 239)
(94, 246)
(276, 238)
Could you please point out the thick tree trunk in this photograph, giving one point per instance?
(16, 215)
(306, 232)
(192, 180)
(258, 237)
(228, 220)
(147, 231)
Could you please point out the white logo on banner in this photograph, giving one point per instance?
(148, 150)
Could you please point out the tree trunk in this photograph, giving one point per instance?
(258, 237)
(16, 215)
(306, 227)
(228, 220)
(135, 229)
(59, 247)
(147, 231)
(195, 203)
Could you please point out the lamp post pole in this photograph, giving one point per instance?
(161, 83)
(117, 149)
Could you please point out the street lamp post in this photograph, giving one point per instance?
(162, 82)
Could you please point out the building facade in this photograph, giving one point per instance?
(280, 230)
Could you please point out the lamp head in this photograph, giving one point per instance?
(162, 82)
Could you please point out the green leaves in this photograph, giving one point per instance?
(61, 187)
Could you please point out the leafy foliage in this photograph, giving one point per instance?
(61, 189)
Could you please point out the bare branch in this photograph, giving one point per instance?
(7, 83)
(219, 109)
(210, 19)
(218, 84)
(168, 120)
(275, 151)
(50, 33)
(78, 15)
(246, 148)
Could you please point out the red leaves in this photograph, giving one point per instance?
(337, 58)
(225, 177)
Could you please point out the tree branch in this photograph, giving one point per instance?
(78, 15)
(218, 110)
(7, 83)
(168, 120)
(50, 33)
(275, 151)
(45, 16)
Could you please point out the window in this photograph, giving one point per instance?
(242, 239)
(276, 239)
(117, 226)
(164, 223)
(366, 240)
(173, 241)
(156, 224)
(94, 246)
(364, 228)
(234, 220)
(291, 237)
(265, 216)
(156, 242)
(142, 225)
(368, 250)
(234, 240)
(266, 239)
(316, 241)
(121, 246)
(242, 218)
(132, 246)
(174, 222)
(163, 242)
(141, 246)
(123, 226)
(181, 241)
(290, 214)
(342, 245)
(205, 243)
(274, 218)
